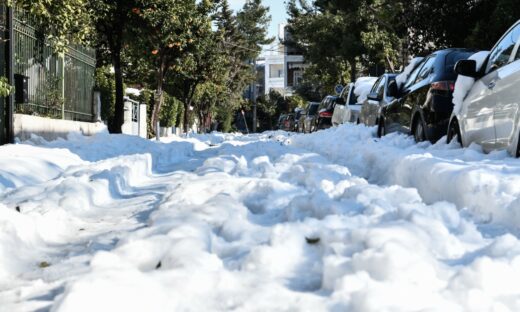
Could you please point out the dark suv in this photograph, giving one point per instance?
(326, 110)
(424, 104)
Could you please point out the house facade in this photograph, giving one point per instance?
(284, 66)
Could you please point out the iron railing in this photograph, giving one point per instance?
(58, 86)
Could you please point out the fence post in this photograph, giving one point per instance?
(61, 58)
(10, 76)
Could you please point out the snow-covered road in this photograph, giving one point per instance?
(333, 221)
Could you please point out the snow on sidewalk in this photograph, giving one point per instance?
(252, 223)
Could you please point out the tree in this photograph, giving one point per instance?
(169, 33)
(112, 23)
(58, 22)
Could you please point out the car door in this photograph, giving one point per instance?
(478, 114)
(418, 93)
(374, 106)
(505, 92)
(392, 111)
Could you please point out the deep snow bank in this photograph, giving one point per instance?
(486, 185)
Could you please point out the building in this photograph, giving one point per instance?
(284, 66)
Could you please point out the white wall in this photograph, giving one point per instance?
(51, 129)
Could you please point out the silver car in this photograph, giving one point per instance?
(383, 92)
(490, 112)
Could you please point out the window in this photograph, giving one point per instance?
(503, 50)
(276, 71)
(381, 88)
(375, 87)
(426, 70)
(391, 80)
(413, 75)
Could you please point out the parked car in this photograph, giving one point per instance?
(424, 105)
(307, 122)
(348, 112)
(299, 113)
(286, 122)
(325, 111)
(281, 119)
(490, 112)
(382, 93)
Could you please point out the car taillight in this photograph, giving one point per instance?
(325, 114)
(443, 86)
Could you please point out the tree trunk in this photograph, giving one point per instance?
(186, 120)
(390, 64)
(119, 110)
(353, 70)
(159, 98)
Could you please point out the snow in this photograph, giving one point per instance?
(403, 77)
(362, 87)
(463, 84)
(337, 220)
(133, 91)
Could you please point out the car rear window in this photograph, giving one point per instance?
(313, 109)
(453, 57)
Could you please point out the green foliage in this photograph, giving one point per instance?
(60, 22)
(53, 98)
(170, 111)
(225, 119)
(105, 84)
(5, 88)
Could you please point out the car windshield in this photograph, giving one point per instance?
(313, 109)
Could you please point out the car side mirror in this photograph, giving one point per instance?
(341, 101)
(466, 68)
(392, 89)
(374, 96)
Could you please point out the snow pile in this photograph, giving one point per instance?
(362, 87)
(464, 84)
(268, 222)
(403, 77)
(483, 184)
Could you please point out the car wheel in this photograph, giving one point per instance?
(418, 132)
(454, 131)
(381, 128)
(518, 147)
(320, 124)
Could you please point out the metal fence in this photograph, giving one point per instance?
(57, 86)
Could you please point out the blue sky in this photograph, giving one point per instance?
(277, 11)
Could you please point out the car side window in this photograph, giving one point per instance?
(413, 75)
(426, 70)
(381, 88)
(503, 50)
(375, 87)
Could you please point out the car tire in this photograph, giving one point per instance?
(381, 128)
(454, 131)
(419, 132)
(518, 147)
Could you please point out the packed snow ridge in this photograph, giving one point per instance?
(333, 221)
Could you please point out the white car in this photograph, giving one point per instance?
(343, 111)
(489, 113)
(353, 95)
